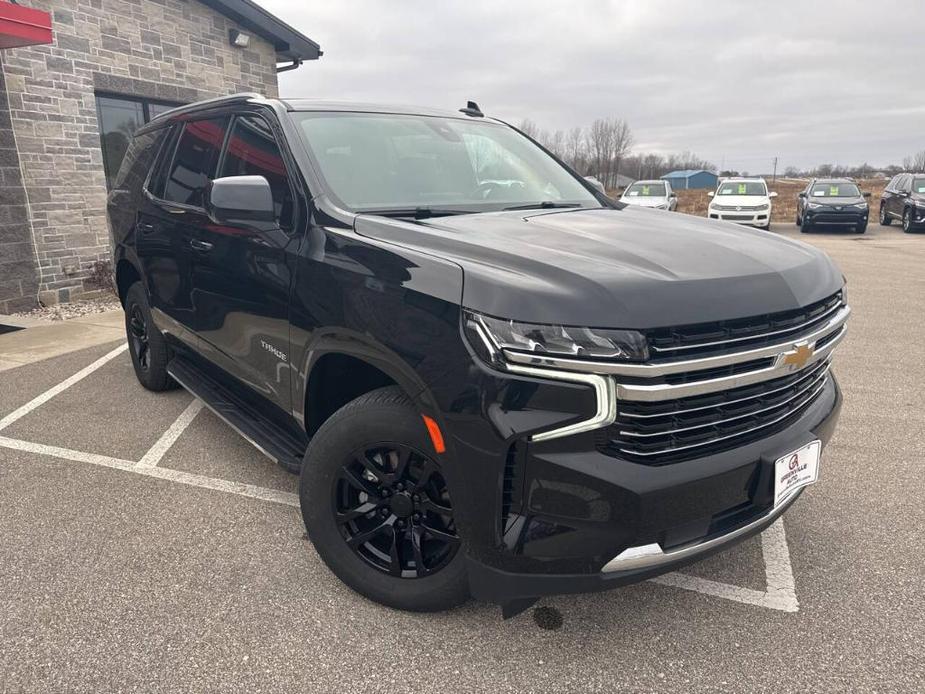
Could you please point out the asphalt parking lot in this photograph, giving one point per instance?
(144, 546)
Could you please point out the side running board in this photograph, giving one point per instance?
(269, 438)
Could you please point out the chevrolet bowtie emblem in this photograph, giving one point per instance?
(799, 356)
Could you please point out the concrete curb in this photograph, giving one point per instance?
(47, 339)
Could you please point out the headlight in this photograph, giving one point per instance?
(663, 206)
(762, 207)
(813, 205)
(860, 205)
(560, 340)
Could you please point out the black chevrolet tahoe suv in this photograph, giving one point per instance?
(494, 380)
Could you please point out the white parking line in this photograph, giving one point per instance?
(780, 593)
(188, 478)
(40, 400)
(169, 437)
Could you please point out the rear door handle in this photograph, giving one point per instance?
(146, 228)
(202, 246)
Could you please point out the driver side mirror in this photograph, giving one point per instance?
(710, 194)
(772, 194)
(597, 184)
(802, 194)
(240, 201)
(672, 194)
(866, 195)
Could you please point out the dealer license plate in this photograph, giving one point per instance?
(796, 470)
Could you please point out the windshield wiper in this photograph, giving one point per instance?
(416, 212)
(544, 205)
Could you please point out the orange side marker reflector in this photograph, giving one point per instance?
(435, 435)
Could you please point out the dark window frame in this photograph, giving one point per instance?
(177, 138)
(284, 154)
(145, 104)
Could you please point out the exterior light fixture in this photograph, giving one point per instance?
(239, 39)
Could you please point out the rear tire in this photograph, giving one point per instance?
(377, 509)
(885, 220)
(146, 345)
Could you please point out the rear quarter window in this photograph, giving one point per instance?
(139, 159)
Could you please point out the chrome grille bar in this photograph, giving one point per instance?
(823, 367)
(718, 422)
(744, 432)
(758, 336)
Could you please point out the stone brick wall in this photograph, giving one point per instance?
(175, 50)
(19, 279)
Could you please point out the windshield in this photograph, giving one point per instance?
(918, 186)
(645, 190)
(835, 190)
(742, 188)
(381, 162)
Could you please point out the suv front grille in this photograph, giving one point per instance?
(668, 431)
(704, 339)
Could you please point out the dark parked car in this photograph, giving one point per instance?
(493, 380)
(904, 199)
(832, 201)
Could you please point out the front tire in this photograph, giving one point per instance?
(861, 228)
(907, 221)
(146, 345)
(377, 508)
(806, 226)
(885, 220)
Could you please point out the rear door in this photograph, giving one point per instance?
(167, 234)
(242, 277)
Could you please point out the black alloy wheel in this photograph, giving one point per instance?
(138, 334)
(907, 220)
(393, 510)
(885, 220)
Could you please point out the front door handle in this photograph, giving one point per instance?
(201, 246)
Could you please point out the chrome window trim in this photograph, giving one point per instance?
(654, 369)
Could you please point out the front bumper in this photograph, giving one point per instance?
(845, 216)
(588, 522)
(760, 218)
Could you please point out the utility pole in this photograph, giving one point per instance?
(774, 176)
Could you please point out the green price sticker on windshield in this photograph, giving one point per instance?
(743, 189)
(833, 191)
(645, 190)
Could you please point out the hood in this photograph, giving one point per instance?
(740, 200)
(611, 268)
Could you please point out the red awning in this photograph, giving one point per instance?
(23, 26)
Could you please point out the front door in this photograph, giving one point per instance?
(242, 275)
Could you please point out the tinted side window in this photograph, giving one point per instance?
(892, 184)
(253, 151)
(905, 186)
(195, 160)
(139, 159)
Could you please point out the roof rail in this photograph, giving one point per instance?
(242, 97)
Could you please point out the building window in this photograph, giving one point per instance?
(119, 117)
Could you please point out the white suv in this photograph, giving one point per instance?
(742, 200)
(656, 194)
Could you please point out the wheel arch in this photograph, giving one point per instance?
(343, 365)
(126, 275)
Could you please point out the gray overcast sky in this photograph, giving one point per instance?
(735, 82)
